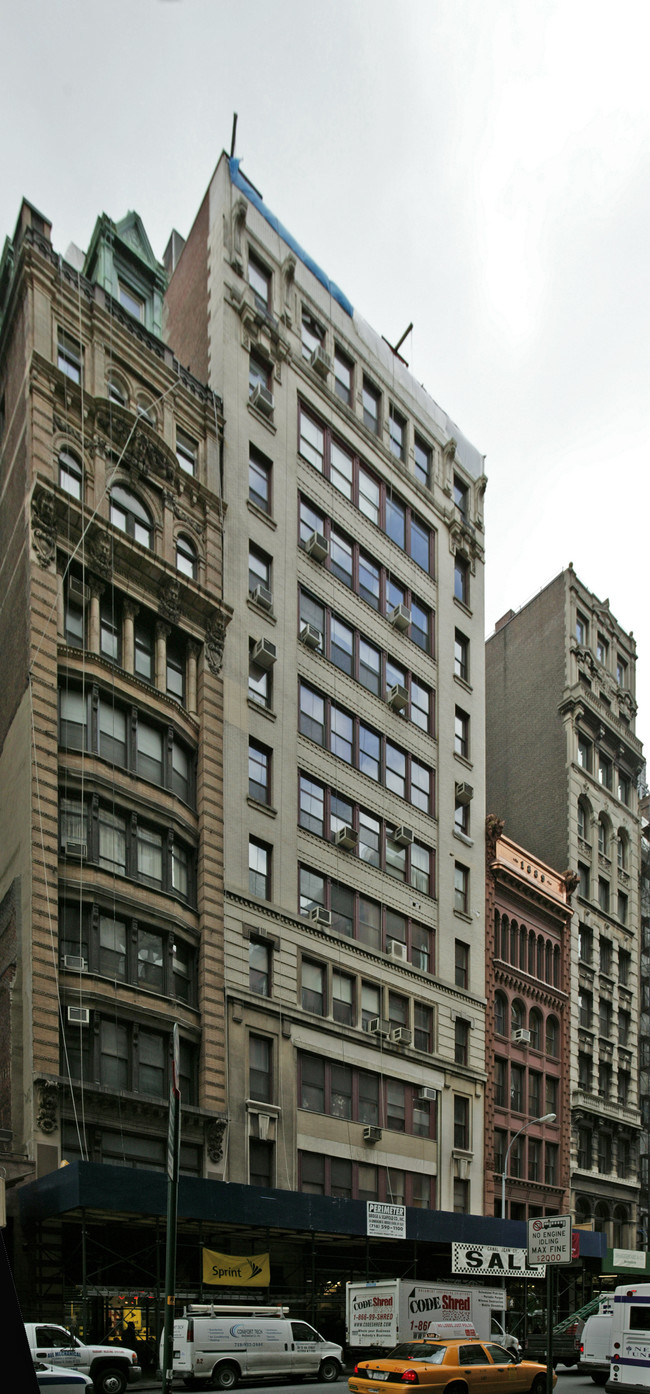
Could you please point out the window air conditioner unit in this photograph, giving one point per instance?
(76, 590)
(263, 597)
(427, 1095)
(263, 399)
(403, 836)
(398, 950)
(321, 361)
(521, 1036)
(317, 546)
(320, 916)
(346, 837)
(378, 1026)
(372, 1134)
(264, 653)
(401, 1035)
(72, 848)
(398, 697)
(464, 793)
(75, 962)
(400, 617)
(79, 1016)
(311, 636)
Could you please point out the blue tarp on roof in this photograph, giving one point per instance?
(253, 197)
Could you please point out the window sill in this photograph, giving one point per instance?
(462, 837)
(462, 682)
(262, 807)
(265, 420)
(259, 610)
(261, 514)
(463, 760)
(463, 606)
(463, 915)
(263, 711)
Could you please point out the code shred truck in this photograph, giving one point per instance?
(630, 1339)
(385, 1313)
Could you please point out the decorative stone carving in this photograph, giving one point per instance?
(571, 880)
(100, 553)
(215, 638)
(43, 527)
(169, 601)
(215, 1138)
(140, 450)
(47, 1106)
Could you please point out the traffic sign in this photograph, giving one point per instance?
(549, 1239)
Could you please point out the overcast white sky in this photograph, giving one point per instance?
(480, 167)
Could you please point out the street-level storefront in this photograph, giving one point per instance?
(87, 1245)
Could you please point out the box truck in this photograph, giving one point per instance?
(630, 1339)
(381, 1315)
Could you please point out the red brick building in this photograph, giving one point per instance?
(527, 970)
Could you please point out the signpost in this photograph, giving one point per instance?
(173, 1160)
(550, 1242)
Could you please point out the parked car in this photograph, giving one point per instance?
(59, 1380)
(468, 1363)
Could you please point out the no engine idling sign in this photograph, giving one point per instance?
(549, 1239)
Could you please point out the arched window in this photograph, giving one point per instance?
(540, 958)
(552, 1037)
(583, 1210)
(116, 390)
(603, 836)
(517, 1015)
(514, 944)
(535, 1028)
(601, 1213)
(523, 947)
(582, 821)
(70, 473)
(531, 953)
(549, 962)
(619, 1227)
(500, 1014)
(505, 938)
(186, 558)
(145, 409)
(621, 850)
(131, 516)
(556, 966)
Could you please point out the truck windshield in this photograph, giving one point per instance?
(419, 1350)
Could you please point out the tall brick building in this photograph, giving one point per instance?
(562, 767)
(111, 631)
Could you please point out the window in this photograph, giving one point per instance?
(585, 1007)
(423, 1027)
(343, 371)
(175, 669)
(144, 645)
(259, 772)
(259, 680)
(313, 334)
(69, 357)
(582, 630)
(552, 1037)
(604, 1017)
(585, 944)
(461, 733)
(70, 474)
(461, 495)
(584, 1072)
(462, 817)
(346, 1092)
(461, 1197)
(584, 882)
(461, 579)
(131, 301)
(584, 753)
(500, 1083)
(422, 460)
(534, 1159)
(397, 434)
(606, 954)
(259, 479)
(260, 1162)
(259, 967)
(461, 888)
(622, 907)
(623, 788)
(259, 279)
(259, 374)
(623, 1087)
(342, 998)
(377, 501)
(500, 1014)
(260, 1080)
(461, 964)
(604, 770)
(534, 1093)
(535, 1027)
(187, 452)
(461, 1122)
(371, 401)
(313, 987)
(352, 741)
(603, 894)
(461, 1041)
(604, 1151)
(461, 656)
(517, 1075)
(624, 961)
(621, 671)
(259, 570)
(130, 516)
(358, 917)
(602, 649)
(259, 868)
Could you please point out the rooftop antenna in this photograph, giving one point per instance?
(395, 348)
(233, 139)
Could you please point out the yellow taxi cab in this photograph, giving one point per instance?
(453, 1363)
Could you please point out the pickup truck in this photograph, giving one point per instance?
(566, 1346)
(111, 1368)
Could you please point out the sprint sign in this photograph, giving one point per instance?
(549, 1239)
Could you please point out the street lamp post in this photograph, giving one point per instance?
(545, 1118)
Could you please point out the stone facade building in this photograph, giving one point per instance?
(111, 819)
(562, 767)
(527, 1040)
(354, 730)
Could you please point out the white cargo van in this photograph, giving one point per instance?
(221, 1345)
(630, 1349)
(595, 1344)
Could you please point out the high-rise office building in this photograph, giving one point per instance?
(562, 767)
